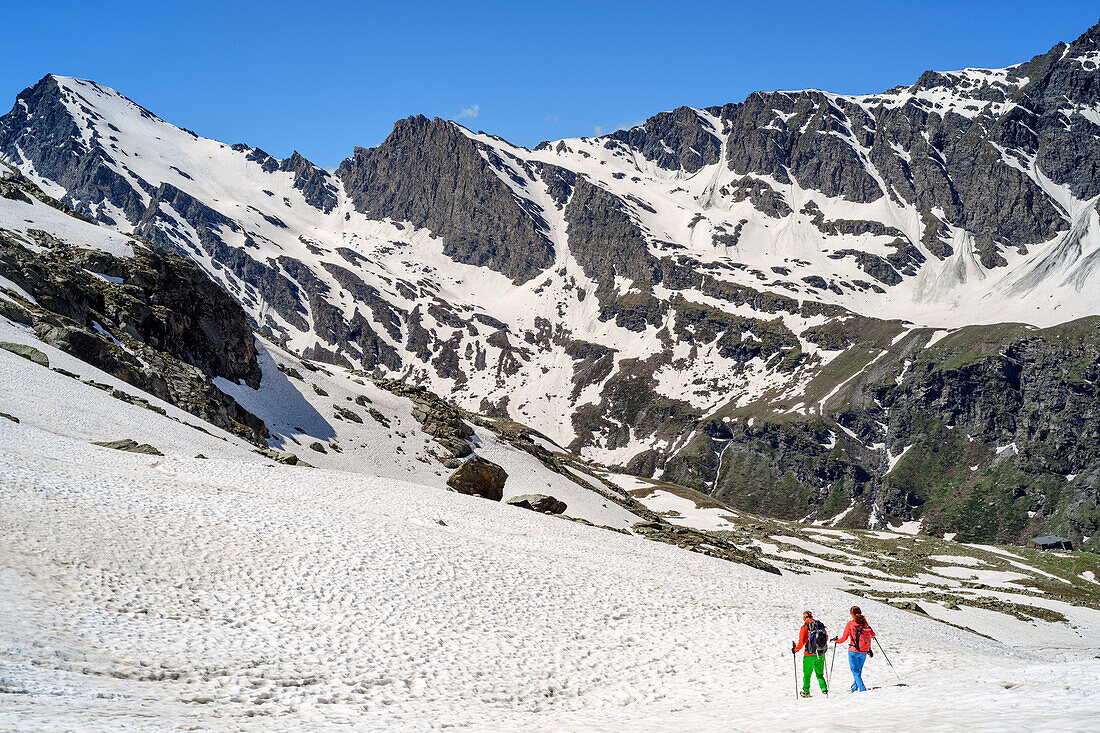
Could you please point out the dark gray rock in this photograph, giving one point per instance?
(765, 198)
(179, 329)
(428, 173)
(275, 288)
(559, 183)
(329, 322)
(759, 141)
(607, 243)
(27, 352)
(676, 140)
(713, 544)
(875, 266)
(344, 413)
(315, 184)
(15, 313)
(593, 363)
(438, 418)
(538, 503)
(479, 477)
(130, 446)
(41, 131)
(910, 606)
(288, 459)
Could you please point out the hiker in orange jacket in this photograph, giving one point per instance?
(814, 640)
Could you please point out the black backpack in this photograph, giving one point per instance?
(817, 640)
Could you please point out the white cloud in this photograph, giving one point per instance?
(551, 118)
(607, 129)
(471, 111)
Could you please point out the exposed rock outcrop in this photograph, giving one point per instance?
(538, 503)
(430, 174)
(438, 418)
(153, 320)
(129, 445)
(676, 140)
(27, 352)
(705, 543)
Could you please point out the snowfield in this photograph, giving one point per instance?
(168, 592)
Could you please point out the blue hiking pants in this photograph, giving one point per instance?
(855, 661)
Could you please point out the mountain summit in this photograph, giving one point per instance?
(786, 287)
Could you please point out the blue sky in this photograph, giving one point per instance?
(322, 77)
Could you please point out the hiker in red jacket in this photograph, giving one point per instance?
(859, 636)
(813, 638)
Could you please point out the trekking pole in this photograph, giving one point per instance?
(831, 662)
(794, 658)
(884, 656)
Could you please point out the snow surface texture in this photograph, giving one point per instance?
(153, 592)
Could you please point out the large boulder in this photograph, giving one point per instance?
(538, 503)
(479, 477)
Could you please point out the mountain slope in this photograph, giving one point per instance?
(119, 342)
(157, 569)
(168, 591)
(625, 294)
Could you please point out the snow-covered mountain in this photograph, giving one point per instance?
(843, 349)
(779, 271)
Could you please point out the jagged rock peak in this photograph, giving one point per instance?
(432, 174)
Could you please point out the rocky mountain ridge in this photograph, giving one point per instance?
(719, 283)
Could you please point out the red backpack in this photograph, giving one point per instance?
(861, 639)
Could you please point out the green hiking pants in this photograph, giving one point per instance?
(813, 663)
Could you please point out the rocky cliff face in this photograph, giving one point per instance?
(430, 174)
(148, 317)
(990, 432)
(1025, 405)
(715, 296)
(679, 140)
